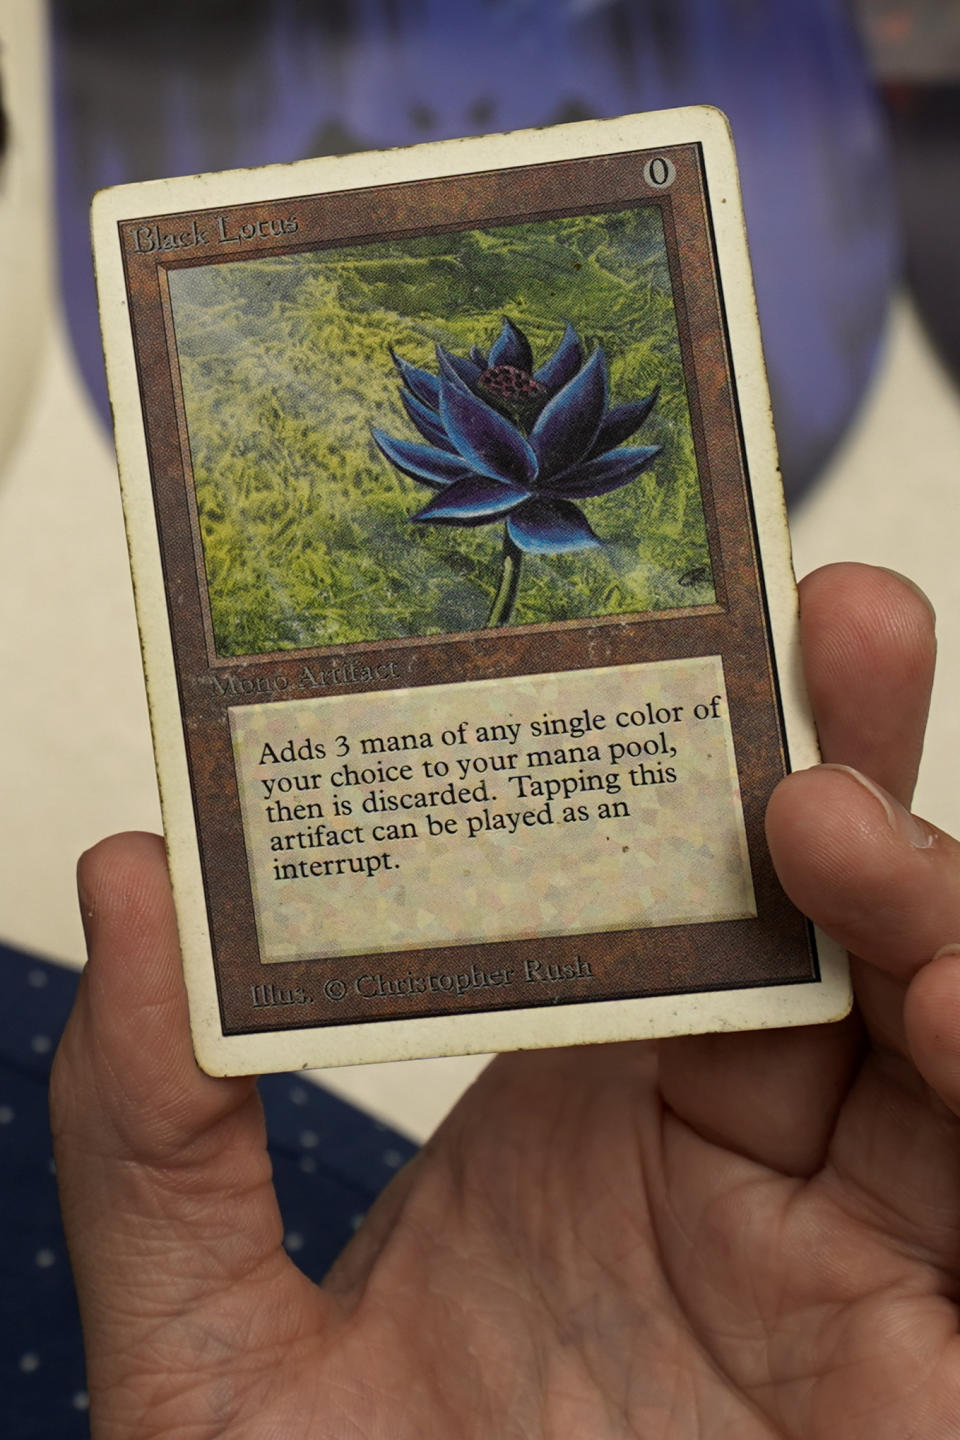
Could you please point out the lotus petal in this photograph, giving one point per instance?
(548, 527)
(511, 347)
(487, 440)
(427, 421)
(421, 383)
(422, 462)
(473, 502)
(478, 357)
(622, 422)
(465, 370)
(568, 424)
(605, 473)
(563, 363)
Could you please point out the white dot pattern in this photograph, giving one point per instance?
(330, 1161)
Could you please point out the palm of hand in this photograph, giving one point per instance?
(738, 1236)
(576, 1259)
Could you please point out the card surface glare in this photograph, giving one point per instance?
(465, 595)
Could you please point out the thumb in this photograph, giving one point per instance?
(165, 1182)
(881, 881)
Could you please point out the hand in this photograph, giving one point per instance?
(730, 1237)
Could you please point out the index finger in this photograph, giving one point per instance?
(869, 653)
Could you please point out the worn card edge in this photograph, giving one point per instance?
(603, 1020)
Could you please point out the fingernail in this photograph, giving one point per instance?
(948, 952)
(908, 827)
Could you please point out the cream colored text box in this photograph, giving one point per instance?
(562, 804)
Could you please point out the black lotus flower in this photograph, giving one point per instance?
(507, 442)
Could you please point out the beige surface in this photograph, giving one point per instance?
(24, 228)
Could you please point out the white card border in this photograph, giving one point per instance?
(758, 1007)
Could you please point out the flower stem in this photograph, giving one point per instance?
(502, 607)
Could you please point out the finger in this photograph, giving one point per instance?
(869, 650)
(932, 1023)
(869, 660)
(165, 1182)
(881, 882)
(131, 1013)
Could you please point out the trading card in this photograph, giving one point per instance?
(465, 595)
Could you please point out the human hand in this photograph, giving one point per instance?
(744, 1236)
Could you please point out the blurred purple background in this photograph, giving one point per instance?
(148, 91)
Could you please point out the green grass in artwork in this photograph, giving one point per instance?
(286, 368)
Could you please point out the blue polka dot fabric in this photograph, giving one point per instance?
(329, 1160)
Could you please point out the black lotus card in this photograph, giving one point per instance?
(465, 594)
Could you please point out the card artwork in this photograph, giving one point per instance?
(465, 594)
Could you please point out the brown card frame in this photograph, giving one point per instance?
(776, 948)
